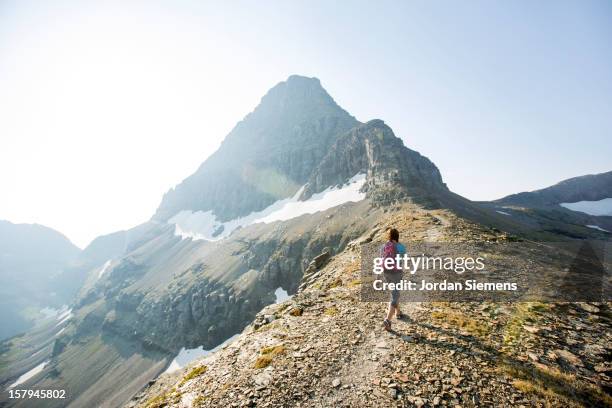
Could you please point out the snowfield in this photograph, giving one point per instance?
(104, 268)
(203, 225)
(186, 356)
(601, 207)
(281, 295)
(29, 374)
(597, 227)
(65, 316)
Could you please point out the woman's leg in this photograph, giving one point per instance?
(395, 296)
(393, 304)
(390, 311)
(394, 301)
(387, 321)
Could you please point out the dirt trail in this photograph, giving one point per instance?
(436, 230)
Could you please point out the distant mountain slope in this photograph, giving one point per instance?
(579, 207)
(87, 267)
(32, 258)
(40, 268)
(592, 187)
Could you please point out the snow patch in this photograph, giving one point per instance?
(38, 352)
(597, 227)
(203, 225)
(331, 197)
(600, 207)
(25, 377)
(104, 268)
(281, 295)
(174, 365)
(503, 212)
(64, 317)
(60, 332)
(64, 314)
(186, 356)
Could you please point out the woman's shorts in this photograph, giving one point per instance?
(394, 277)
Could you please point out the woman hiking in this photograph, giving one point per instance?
(391, 249)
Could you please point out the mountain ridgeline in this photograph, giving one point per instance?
(560, 210)
(592, 187)
(297, 135)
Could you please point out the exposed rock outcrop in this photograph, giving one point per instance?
(394, 172)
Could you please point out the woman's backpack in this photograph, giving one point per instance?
(389, 251)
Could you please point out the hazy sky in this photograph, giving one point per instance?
(106, 105)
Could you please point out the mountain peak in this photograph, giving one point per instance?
(267, 156)
(299, 83)
(299, 137)
(295, 78)
(297, 98)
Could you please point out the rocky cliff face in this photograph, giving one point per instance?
(394, 172)
(207, 300)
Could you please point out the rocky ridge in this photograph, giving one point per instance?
(325, 347)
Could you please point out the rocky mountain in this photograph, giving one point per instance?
(394, 172)
(267, 156)
(580, 207)
(30, 351)
(296, 178)
(293, 186)
(32, 260)
(592, 187)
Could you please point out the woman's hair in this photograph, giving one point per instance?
(393, 234)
